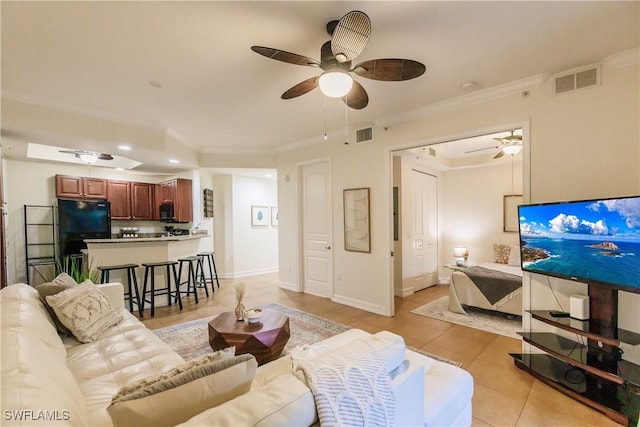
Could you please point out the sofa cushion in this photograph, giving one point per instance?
(84, 310)
(179, 397)
(284, 401)
(35, 375)
(125, 353)
(61, 283)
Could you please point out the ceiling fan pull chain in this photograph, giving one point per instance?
(325, 117)
(346, 118)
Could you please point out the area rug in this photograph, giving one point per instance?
(477, 319)
(191, 339)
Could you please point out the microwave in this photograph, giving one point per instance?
(166, 211)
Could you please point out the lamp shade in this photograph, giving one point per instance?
(88, 158)
(335, 84)
(459, 251)
(512, 149)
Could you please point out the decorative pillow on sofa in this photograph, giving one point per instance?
(501, 253)
(85, 311)
(61, 283)
(183, 392)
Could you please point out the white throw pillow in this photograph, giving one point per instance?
(85, 311)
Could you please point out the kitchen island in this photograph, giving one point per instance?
(104, 252)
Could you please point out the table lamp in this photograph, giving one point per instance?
(462, 254)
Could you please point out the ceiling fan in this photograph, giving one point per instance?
(510, 144)
(89, 157)
(349, 36)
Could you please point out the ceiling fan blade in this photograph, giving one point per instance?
(390, 69)
(301, 88)
(281, 55)
(481, 149)
(500, 154)
(104, 156)
(350, 36)
(357, 97)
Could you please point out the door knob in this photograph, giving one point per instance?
(327, 247)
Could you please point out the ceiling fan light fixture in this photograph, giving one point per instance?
(512, 149)
(88, 158)
(335, 84)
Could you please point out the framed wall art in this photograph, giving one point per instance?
(259, 215)
(357, 225)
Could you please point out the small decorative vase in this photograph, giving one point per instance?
(240, 311)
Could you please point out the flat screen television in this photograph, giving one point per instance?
(82, 219)
(590, 241)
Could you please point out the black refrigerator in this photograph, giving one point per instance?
(79, 220)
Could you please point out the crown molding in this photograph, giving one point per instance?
(623, 59)
(95, 113)
(477, 97)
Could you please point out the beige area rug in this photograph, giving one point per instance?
(477, 319)
(191, 339)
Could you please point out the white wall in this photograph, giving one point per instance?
(244, 249)
(583, 144)
(472, 210)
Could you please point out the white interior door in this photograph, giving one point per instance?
(420, 225)
(316, 229)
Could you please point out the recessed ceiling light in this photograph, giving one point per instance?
(174, 161)
(469, 85)
(119, 169)
(268, 175)
(124, 148)
(155, 84)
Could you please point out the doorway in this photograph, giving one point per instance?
(316, 228)
(473, 173)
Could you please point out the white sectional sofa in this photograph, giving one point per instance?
(49, 381)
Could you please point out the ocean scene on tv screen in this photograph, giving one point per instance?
(591, 241)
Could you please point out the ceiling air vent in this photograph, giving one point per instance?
(432, 152)
(364, 135)
(576, 79)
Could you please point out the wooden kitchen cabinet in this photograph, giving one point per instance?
(130, 200)
(142, 201)
(119, 196)
(77, 187)
(179, 192)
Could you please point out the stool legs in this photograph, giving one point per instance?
(132, 283)
(170, 271)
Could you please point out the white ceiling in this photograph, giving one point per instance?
(217, 95)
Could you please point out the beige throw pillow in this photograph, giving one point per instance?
(61, 283)
(501, 253)
(85, 311)
(176, 398)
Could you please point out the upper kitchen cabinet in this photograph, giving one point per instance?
(77, 187)
(131, 200)
(142, 201)
(177, 192)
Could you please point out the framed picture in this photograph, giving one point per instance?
(274, 216)
(357, 227)
(510, 220)
(259, 215)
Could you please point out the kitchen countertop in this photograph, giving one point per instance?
(148, 239)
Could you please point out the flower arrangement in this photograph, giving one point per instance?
(240, 288)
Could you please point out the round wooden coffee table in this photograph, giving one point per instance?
(265, 339)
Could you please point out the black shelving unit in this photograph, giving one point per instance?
(39, 237)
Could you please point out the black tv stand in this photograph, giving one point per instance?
(592, 373)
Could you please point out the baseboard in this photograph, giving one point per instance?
(403, 292)
(444, 280)
(289, 286)
(359, 304)
(240, 274)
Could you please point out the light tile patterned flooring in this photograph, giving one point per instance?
(504, 395)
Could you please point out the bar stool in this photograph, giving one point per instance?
(131, 279)
(213, 273)
(192, 282)
(150, 268)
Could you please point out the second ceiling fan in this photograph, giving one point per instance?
(349, 36)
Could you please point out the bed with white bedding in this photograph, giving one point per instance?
(490, 286)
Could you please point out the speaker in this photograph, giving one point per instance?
(579, 306)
